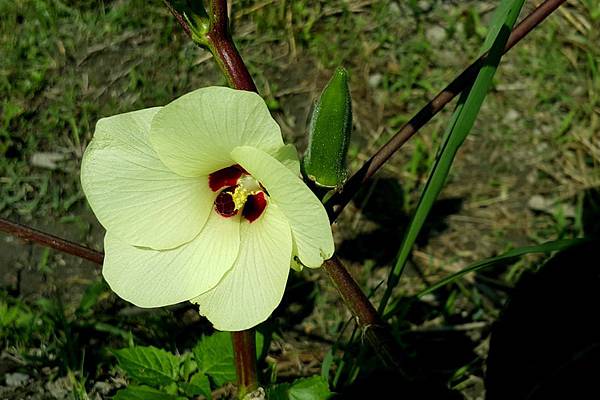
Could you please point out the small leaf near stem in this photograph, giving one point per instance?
(192, 16)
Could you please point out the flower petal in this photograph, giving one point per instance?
(133, 194)
(253, 288)
(194, 134)
(288, 156)
(155, 278)
(305, 213)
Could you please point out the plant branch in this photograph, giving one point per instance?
(342, 197)
(33, 235)
(223, 48)
(244, 352)
(374, 329)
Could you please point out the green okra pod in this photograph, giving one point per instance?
(329, 133)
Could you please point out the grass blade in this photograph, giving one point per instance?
(490, 262)
(460, 124)
(556, 245)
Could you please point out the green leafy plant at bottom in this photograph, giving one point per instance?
(156, 374)
(313, 388)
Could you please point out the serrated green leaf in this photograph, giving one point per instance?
(214, 355)
(279, 392)
(459, 127)
(198, 385)
(133, 392)
(188, 366)
(313, 388)
(149, 365)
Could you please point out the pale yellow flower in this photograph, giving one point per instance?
(202, 201)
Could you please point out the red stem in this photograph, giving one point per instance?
(244, 352)
(226, 54)
(229, 59)
(54, 242)
(374, 329)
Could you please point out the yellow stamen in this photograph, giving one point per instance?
(240, 195)
(247, 185)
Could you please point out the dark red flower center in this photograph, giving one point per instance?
(224, 203)
(239, 192)
(225, 177)
(254, 207)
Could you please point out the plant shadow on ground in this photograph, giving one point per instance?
(431, 359)
(547, 341)
(381, 204)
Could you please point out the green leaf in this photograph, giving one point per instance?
(326, 365)
(214, 355)
(194, 15)
(313, 388)
(188, 366)
(198, 385)
(460, 125)
(149, 365)
(133, 392)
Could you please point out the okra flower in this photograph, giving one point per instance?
(202, 201)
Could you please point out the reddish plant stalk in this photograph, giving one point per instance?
(244, 353)
(223, 48)
(33, 235)
(376, 331)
